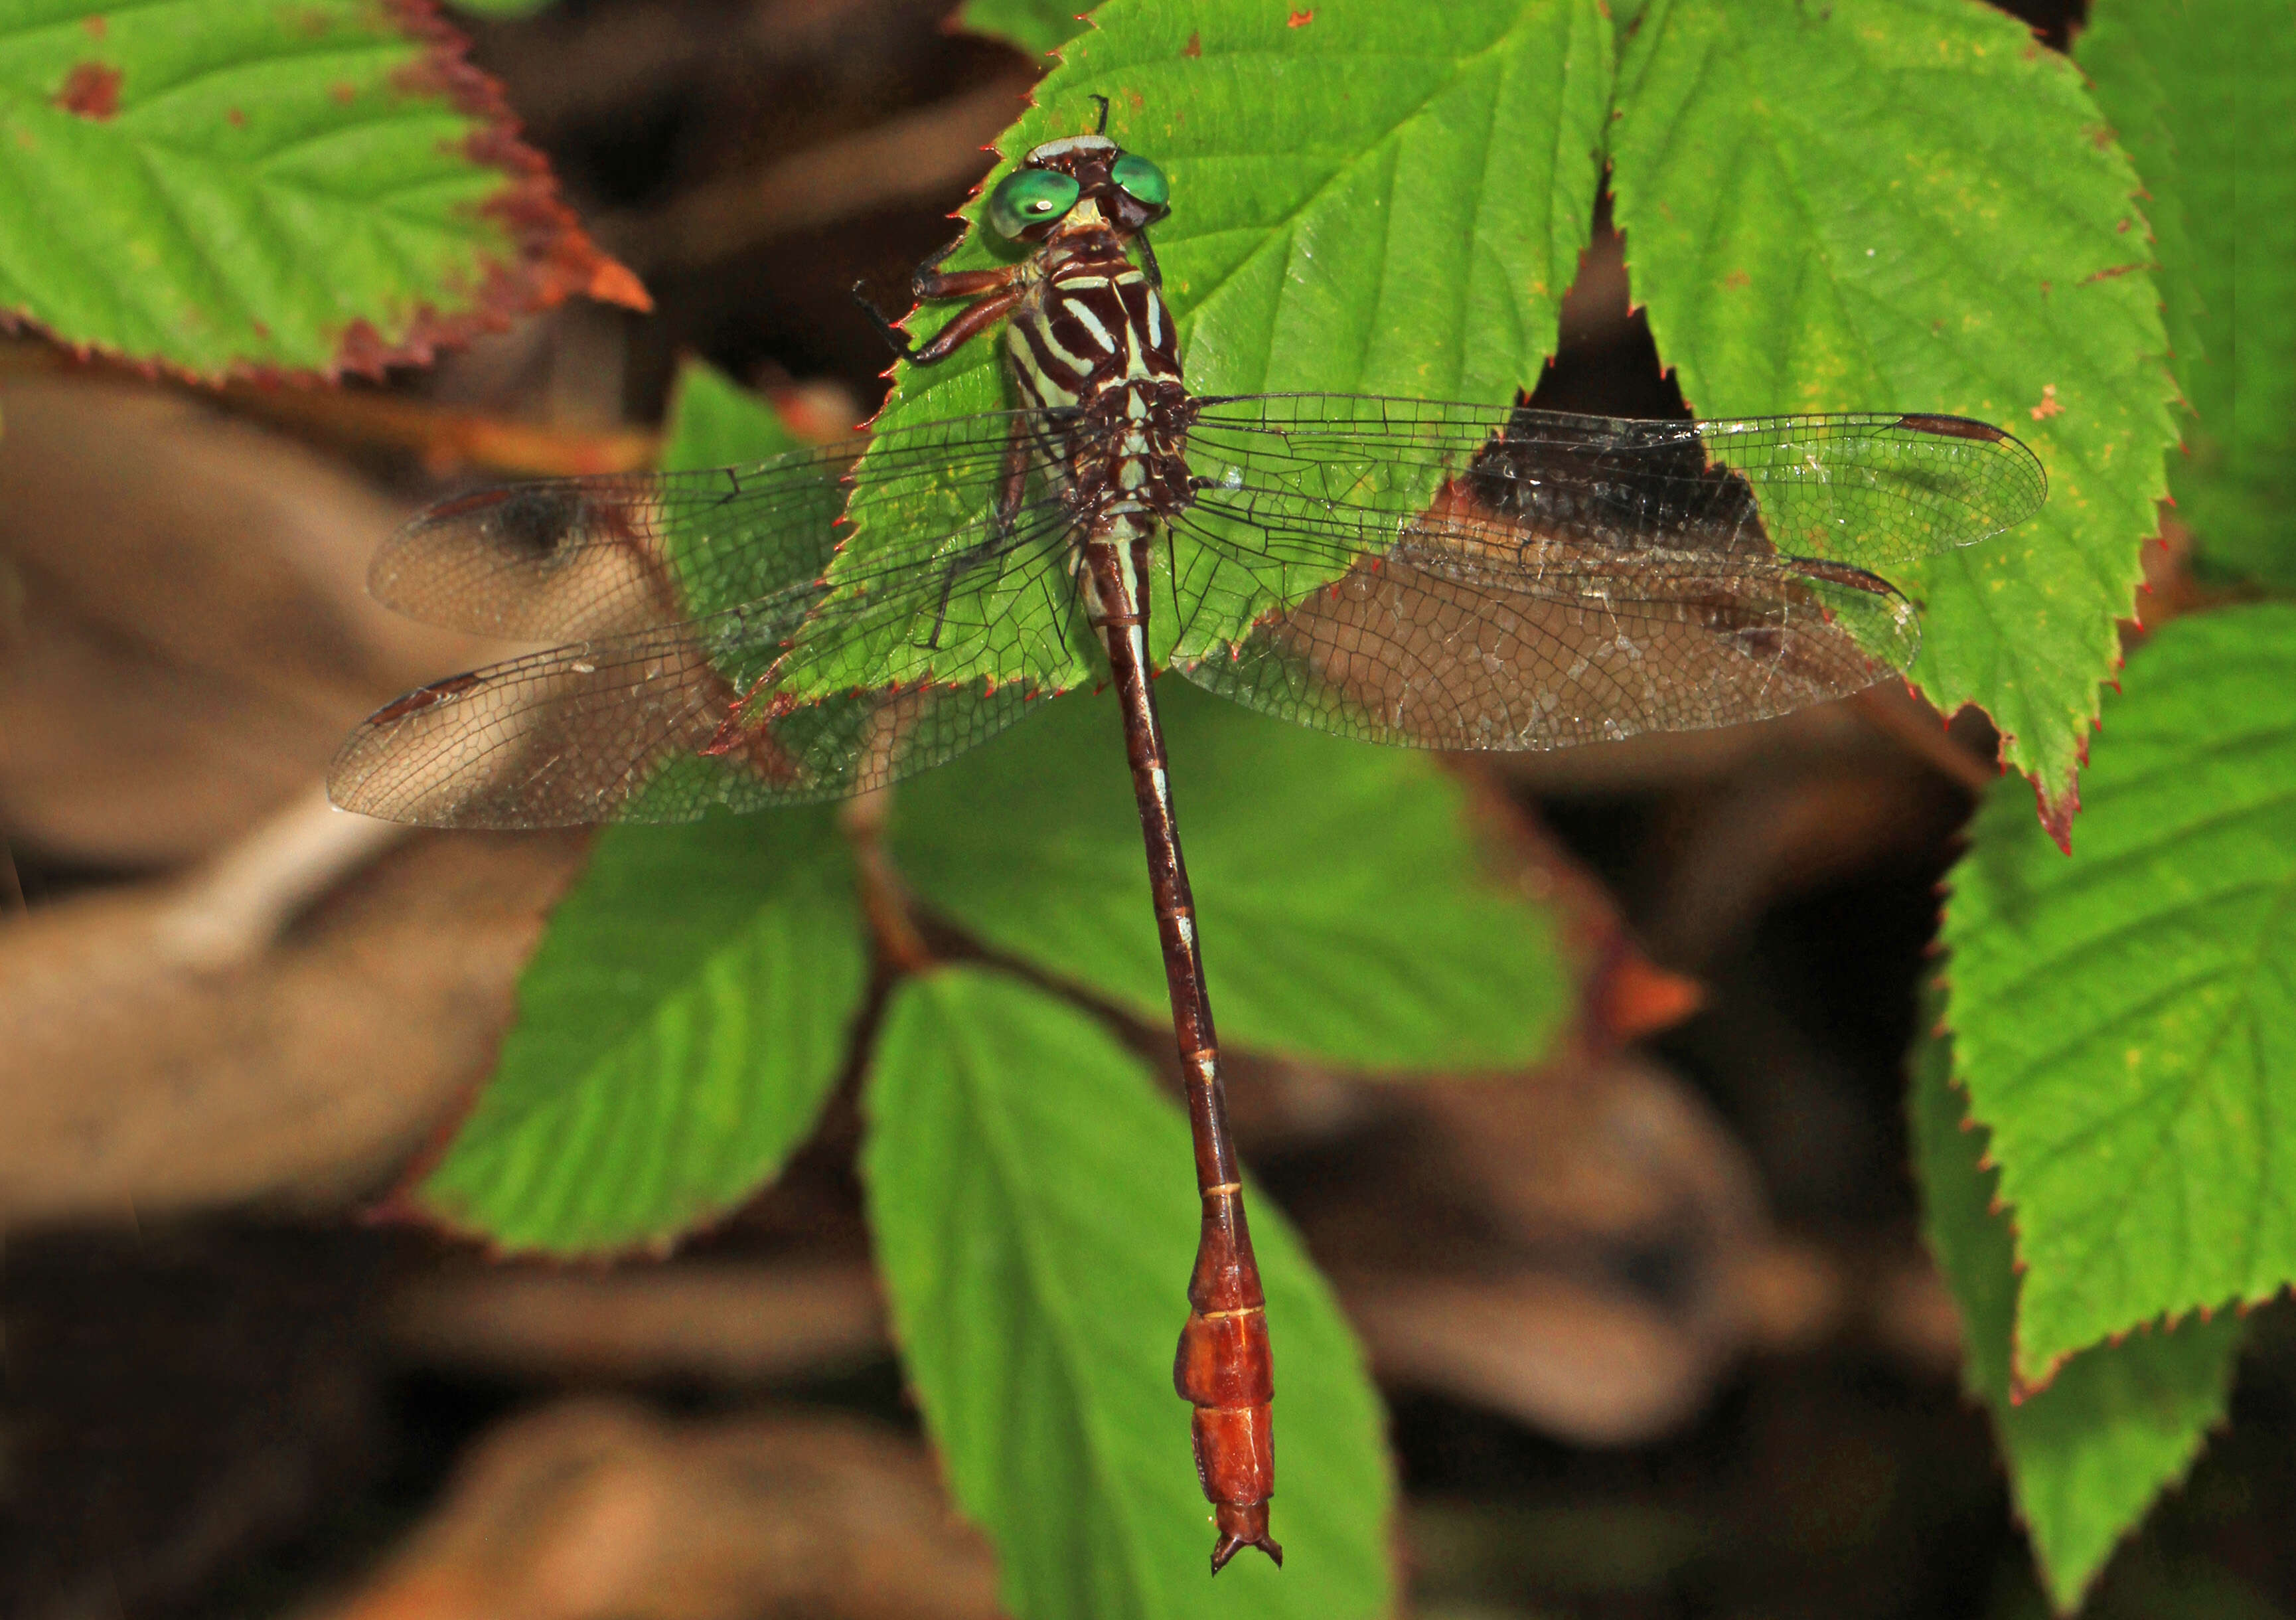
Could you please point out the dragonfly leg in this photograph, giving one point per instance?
(1148, 262)
(956, 565)
(1224, 1367)
(1018, 452)
(983, 313)
(923, 273)
(930, 281)
(963, 562)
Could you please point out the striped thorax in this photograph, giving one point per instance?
(1090, 340)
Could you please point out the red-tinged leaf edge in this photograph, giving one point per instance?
(555, 258)
(400, 1204)
(2022, 1388)
(2058, 810)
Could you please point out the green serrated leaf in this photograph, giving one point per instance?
(678, 1033)
(1337, 886)
(1035, 1221)
(2203, 92)
(220, 185)
(689, 1008)
(1035, 28)
(1910, 204)
(2126, 81)
(2126, 1018)
(2120, 1423)
(1409, 231)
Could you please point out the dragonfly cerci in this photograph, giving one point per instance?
(1442, 576)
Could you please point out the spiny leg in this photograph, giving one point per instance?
(963, 562)
(1019, 455)
(1020, 452)
(1148, 262)
(994, 293)
(929, 281)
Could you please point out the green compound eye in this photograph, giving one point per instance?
(1028, 198)
(1142, 180)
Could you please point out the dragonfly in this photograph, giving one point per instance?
(1446, 576)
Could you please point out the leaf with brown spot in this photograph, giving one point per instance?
(91, 90)
(220, 187)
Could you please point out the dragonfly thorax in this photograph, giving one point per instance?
(1092, 344)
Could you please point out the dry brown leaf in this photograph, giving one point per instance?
(596, 1511)
(918, 156)
(1567, 1248)
(143, 1069)
(1592, 1366)
(190, 635)
(714, 1321)
(1768, 835)
(1623, 995)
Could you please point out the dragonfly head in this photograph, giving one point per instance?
(1081, 181)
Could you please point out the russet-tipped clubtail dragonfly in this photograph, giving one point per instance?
(1448, 576)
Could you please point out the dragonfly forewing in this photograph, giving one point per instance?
(818, 691)
(614, 555)
(1871, 491)
(1451, 577)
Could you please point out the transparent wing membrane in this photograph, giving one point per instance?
(1437, 575)
(1453, 577)
(1430, 645)
(662, 724)
(588, 556)
(1869, 491)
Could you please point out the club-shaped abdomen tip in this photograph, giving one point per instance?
(1242, 1526)
(1224, 1370)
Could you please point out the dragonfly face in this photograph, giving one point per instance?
(1123, 190)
